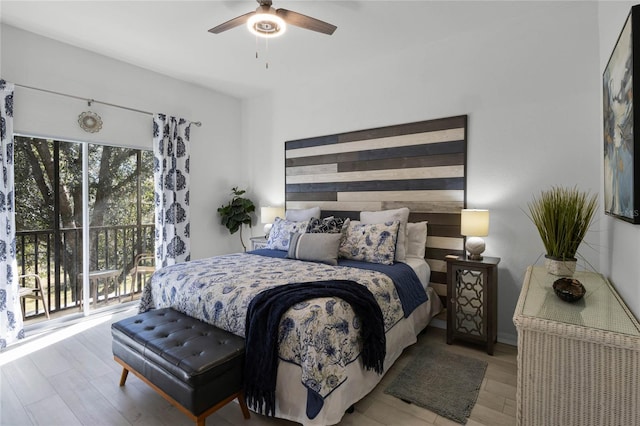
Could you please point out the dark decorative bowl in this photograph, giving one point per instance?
(569, 289)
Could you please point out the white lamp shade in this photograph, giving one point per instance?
(474, 223)
(269, 214)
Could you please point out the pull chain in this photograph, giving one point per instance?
(266, 44)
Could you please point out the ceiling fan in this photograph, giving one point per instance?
(269, 22)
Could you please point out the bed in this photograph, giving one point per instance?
(320, 373)
(418, 165)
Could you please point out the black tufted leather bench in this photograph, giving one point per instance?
(194, 365)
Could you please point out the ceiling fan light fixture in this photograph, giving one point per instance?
(266, 25)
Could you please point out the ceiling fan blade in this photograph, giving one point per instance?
(306, 22)
(239, 20)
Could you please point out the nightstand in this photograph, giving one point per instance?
(472, 300)
(258, 243)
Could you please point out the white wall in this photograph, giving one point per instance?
(530, 87)
(216, 151)
(620, 254)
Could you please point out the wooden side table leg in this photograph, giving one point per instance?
(490, 346)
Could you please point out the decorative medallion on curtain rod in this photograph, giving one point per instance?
(90, 121)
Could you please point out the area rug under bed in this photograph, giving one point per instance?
(440, 381)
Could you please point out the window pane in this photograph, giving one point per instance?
(120, 216)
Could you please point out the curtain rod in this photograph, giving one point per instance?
(197, 123)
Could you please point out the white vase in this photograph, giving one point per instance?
(560, 267)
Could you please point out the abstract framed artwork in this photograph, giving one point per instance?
(621, 81)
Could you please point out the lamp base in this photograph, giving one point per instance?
(267, 229)
(475, 246)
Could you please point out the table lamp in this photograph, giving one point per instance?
(268, 216)
(474, 223)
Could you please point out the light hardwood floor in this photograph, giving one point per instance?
(75, 382)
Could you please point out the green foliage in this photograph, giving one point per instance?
(114, 176)
(563, 217)
(113, 184)
(237, 212)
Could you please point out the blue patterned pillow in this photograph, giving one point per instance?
(374, 243)
(279, 236)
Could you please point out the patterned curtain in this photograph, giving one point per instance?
(171, 189)
(10, 314)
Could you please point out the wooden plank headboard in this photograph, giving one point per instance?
(417, 165)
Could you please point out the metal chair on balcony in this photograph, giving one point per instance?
(144, 264)
(34, 293)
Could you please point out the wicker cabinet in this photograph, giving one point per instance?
(472, 300)
(578, 364)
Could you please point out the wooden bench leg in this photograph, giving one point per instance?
(199, 419)
(123, 377)
(243, 405)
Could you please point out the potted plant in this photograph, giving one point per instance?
(237, 213)
(562, 217)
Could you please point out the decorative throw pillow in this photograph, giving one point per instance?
(401, 215)
(417, 239)
(281, 231)
(314, 247)
(302, 214)
(374, 243)
(328, 225)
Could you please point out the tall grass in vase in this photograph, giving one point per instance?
(563, 217)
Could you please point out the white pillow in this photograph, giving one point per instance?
(382, 216)
(417, 239)
(302, 214)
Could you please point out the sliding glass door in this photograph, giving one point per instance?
(115, 208)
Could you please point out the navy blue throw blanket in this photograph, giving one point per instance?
(262, 331)
(408, 286)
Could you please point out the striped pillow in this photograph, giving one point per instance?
(314, 247)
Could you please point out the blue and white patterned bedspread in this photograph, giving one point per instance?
(320, 335)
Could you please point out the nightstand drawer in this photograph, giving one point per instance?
(258, 243)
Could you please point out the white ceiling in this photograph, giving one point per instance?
(170, 37)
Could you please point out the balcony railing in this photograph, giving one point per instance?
(57, 259)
